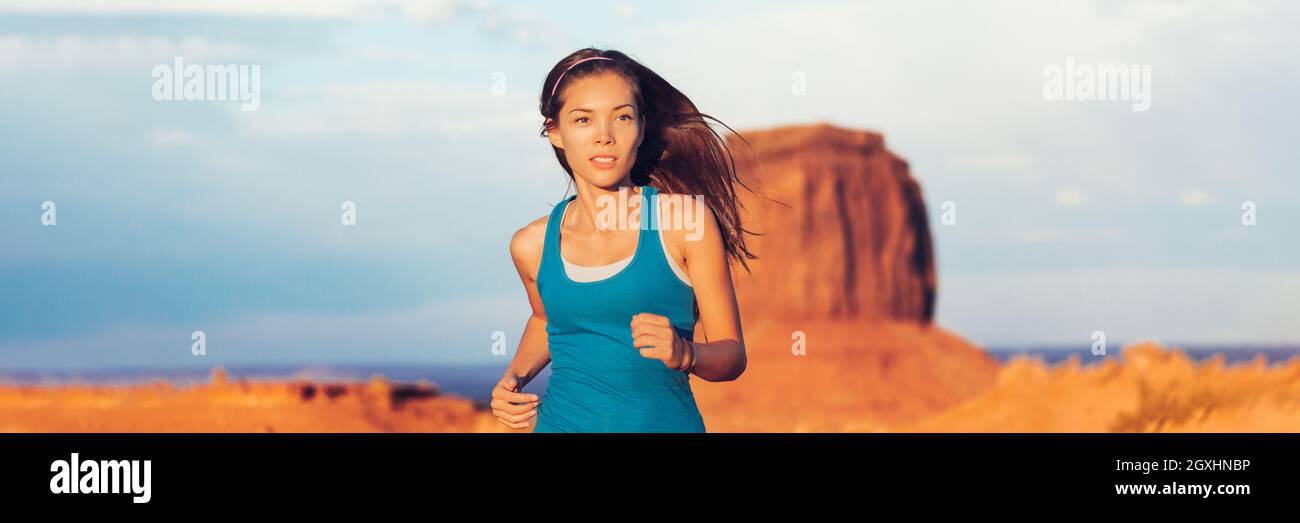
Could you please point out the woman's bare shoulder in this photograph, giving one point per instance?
(686, 220)
(526, 244)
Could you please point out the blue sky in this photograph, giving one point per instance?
(182, 216)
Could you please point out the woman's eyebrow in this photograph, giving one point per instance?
(584, 109)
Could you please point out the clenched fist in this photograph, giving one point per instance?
(654, 336)
(512, 408)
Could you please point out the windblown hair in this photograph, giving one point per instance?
(679, 154)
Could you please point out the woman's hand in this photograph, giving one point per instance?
(513, 408)
(654, 336)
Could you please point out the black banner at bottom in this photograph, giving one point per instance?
(141, 472)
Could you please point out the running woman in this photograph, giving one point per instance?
(616, 290)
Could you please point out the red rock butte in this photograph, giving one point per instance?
(844, 228)
(846, 266)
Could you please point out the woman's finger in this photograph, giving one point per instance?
(506, 389)
(503, 385)
(642, 319)
(498, 401)
(525, 417)
(512, 396)
(516, 418)
(651, 318)
(643, 327)
(512, 418)
(512, 425)
(647, 340)
(651, 340)
(653, 352)
(515, 408)
(520, 397)
(507, 384)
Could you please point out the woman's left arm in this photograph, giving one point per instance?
(722, 356)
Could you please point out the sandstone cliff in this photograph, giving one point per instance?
(847, 236)
(846, 276)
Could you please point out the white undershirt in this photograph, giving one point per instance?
(587, 273)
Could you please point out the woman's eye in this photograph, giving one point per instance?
(628, 116)
(580, 119)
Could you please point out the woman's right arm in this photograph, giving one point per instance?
(512, 407)
(534, 353)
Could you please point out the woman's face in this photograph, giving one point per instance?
(599, 128)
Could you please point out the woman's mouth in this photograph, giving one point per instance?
(604, 161)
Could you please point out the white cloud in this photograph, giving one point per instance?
(252, 8)
(956, 82)
(1038, 236)
(69, 53)
(434, 12)
(521, 25)
(171, 137)
(626, 11)
(1041, 235)
(392, 108)
(1193, 197)
(1069, 197)
(1007, 161)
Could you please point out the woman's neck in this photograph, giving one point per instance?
(595, 203)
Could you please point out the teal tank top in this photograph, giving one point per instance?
(599, 381)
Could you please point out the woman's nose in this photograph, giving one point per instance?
(604, 135)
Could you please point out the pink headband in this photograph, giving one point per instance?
(566, 71)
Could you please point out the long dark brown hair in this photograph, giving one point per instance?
(679, 154)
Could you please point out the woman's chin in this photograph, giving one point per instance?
(605, 180)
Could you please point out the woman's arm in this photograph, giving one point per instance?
(722, 356)
(533, 353)
(513, 408)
